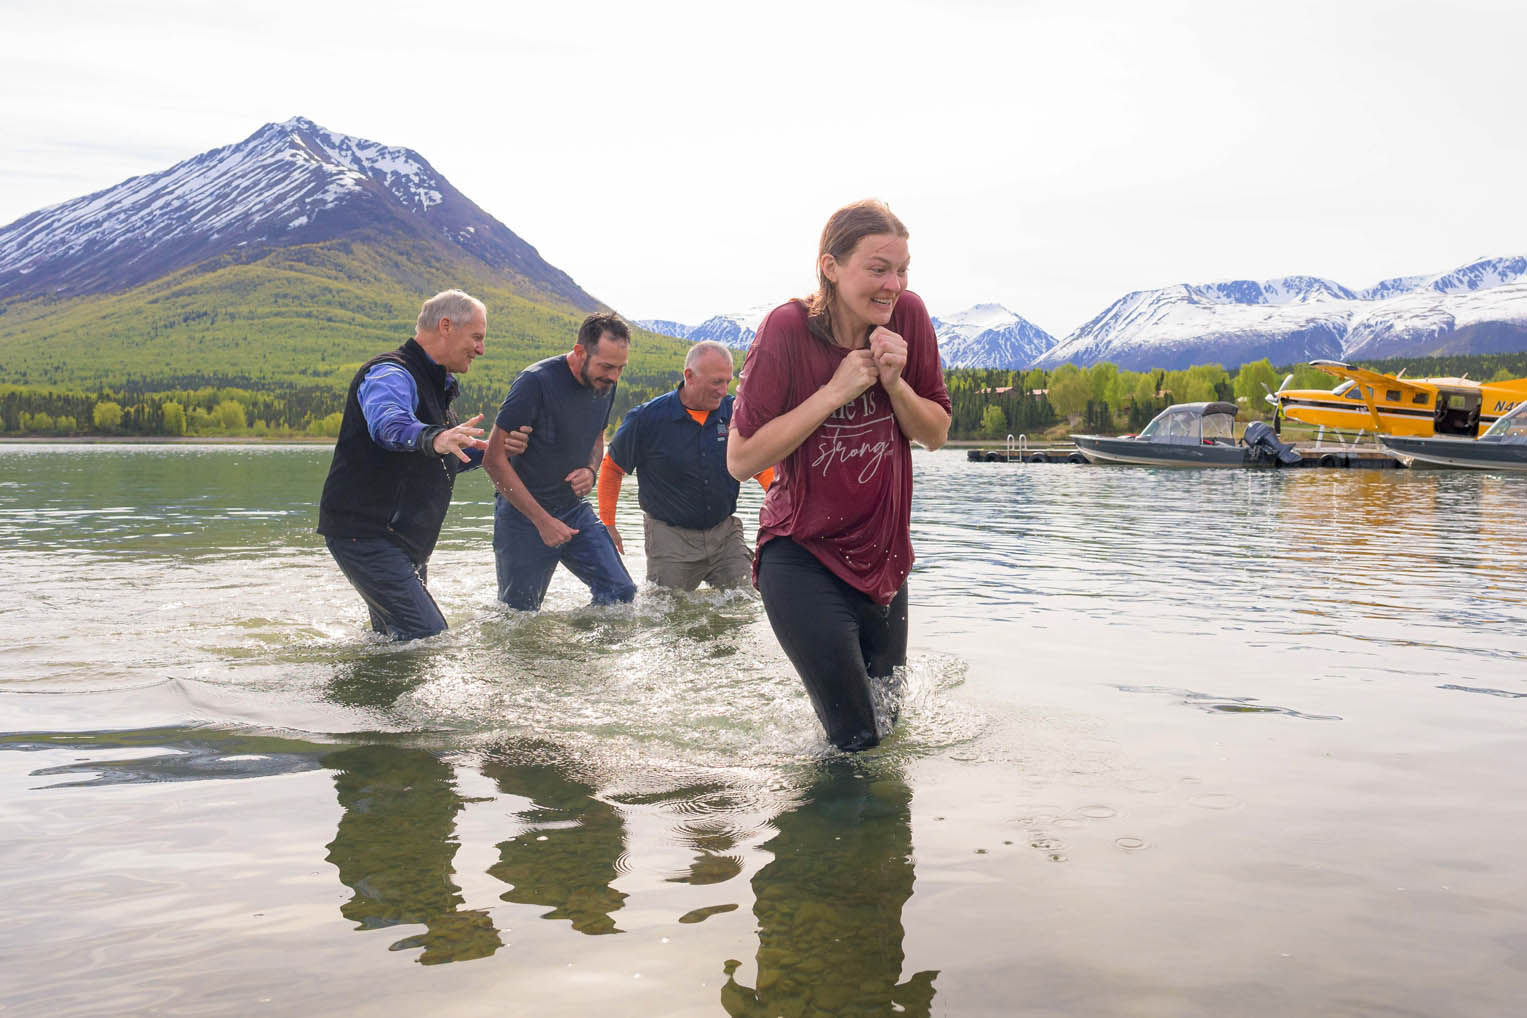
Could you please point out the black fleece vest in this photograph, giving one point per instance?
(372, 492)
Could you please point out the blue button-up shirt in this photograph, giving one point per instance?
(681, 465)
(390, 403)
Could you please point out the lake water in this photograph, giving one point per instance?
(1173, 743)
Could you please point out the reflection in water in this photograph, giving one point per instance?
(394, 848)
(713, 862)
(170, 754)
(709, 827)
(151, 500)
(1228, 704)
(378, 678)
(829, 905)
(1504, 693)
(568, 855)
(1377, 596)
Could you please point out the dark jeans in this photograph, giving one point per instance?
(391, 585)
(525, 563)
(836, 637)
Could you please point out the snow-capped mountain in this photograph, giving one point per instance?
(989, 336)
(663, 327)
(1430, 321)
(734, 330)
(985, 336)
(1477, 308)
(1484, 274)
(286, 184)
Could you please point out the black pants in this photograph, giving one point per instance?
(391, 585)
(836, 637)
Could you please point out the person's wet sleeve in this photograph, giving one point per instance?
(522, 405)
(389, 402)
(609, 489)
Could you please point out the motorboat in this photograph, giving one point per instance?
(1191, 435)
(1502, 447)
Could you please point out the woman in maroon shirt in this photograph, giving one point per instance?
(834, 390)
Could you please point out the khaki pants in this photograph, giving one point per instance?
(682, 558)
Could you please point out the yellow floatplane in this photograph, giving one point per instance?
(1393, 405)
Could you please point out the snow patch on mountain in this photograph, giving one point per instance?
(664, 327)
(1434, 320)
(287, 174)
(288, 183)
(735, 330)
(989, 336)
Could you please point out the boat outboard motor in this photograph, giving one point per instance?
(1265, 446)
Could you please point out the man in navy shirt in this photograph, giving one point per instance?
(676, 443)
(395, 463)
(540, 517)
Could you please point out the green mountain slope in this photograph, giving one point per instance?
(297, 316)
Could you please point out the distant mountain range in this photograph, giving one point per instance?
(987, 335)
(296, 253)
(733, 330)
(290, 256)
(1477, 308)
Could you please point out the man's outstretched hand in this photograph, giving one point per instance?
(459, 439)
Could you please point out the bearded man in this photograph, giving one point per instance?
(541, 517)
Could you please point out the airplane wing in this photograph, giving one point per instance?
(1372, 379)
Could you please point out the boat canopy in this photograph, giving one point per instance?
(1192, 424)
(1511, 427)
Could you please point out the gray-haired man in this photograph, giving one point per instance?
(395, 463)
(676, 444)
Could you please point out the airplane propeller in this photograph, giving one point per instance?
(1271, 397)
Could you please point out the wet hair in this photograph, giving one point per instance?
(702, 348)
(599, 323)
(844, 229)
(456, 305)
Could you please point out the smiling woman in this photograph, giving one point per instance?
(834, 390)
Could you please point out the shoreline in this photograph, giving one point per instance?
(953, 443)
(161, 440)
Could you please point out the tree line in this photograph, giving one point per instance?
(986, 402)
(216, 411)
(227, 411)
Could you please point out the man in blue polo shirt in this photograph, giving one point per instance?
(540, 517)
(676, 443)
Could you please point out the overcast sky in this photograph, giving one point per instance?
(679, 160)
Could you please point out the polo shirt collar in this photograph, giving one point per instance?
(681, 413)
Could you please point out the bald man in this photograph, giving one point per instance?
(676, 445)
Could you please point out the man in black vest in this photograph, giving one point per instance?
(395, 463)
